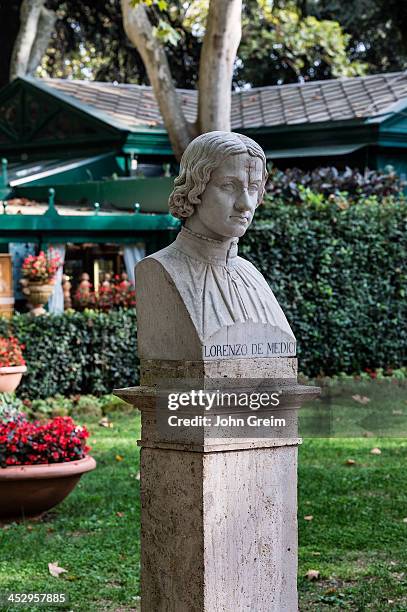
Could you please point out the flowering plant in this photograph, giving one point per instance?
(41, 268)
(58, 440)
(11, 352)
(84, 298)
(124, 294)
(118, 294)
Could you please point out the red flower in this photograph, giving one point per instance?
(42, 267)
(26, 443)
(11, 352)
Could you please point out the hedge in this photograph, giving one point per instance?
(90, 352)
(339, 273)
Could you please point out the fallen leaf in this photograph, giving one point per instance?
(308, 517)
(397, 412)
(30, 527)
(104, 422)
(55, 570)
(119, 458)
(350, 462)
(405, 520)
(316, 554)
(361, 399)
(138, 476)
(120, 514)
(331, 591)
(375, 451)
(312, 574)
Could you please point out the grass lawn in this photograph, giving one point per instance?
(357, 539)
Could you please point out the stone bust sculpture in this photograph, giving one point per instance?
(196, 298)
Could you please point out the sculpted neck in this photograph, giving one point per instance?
(194, 224)
(205, 249)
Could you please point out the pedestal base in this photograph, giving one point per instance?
(219, 530)
(219, 514)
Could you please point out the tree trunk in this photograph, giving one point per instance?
(29, 17)
(46, 24)
(36, 26)
(220, 45)
(140, 32)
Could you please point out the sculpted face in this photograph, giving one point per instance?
(230, 198)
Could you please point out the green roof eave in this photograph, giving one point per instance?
(52, 222)
(148, 141)
(322, 151)
(332, 133)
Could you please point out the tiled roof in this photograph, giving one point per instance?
(298, 103)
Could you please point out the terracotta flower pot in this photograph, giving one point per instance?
(39, 296)
(10, 378)
(27, 491)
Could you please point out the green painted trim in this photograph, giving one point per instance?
(151, 193)
(321, 151)
(301, 137)
(154, 142)
(67, 170)
(104, 224)
(46, 238)
(53, 222)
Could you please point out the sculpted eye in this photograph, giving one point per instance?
(227, 186)
(253, 188)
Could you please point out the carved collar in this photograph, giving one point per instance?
(201, 248)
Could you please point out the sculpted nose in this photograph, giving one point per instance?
(243, 202)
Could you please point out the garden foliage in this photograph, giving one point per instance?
(89, 352)
(350, 184)
(339, 272)
(335, 264)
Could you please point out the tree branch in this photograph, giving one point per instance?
(140, 32)
(220, 45)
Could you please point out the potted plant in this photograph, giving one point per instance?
(38, 273)
(12, 364)
(40, 463)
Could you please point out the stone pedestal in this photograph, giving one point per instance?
(218, 517)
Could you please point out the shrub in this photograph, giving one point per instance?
(290, 185)
(10, 406)
(50, 407)
(86, 406)
(339, 274)
(56, 441)
(89, 352)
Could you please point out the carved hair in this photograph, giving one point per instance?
(200, 157)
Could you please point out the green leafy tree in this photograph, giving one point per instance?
(280, 45)
(377, 29)
(172, 43)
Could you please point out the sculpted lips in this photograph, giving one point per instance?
(240, 218)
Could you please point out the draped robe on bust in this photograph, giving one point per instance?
(219, 288)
